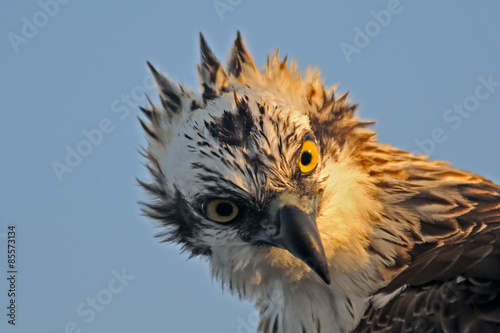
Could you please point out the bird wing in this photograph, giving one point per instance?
(458, 305)
(452, 280)
(461, 244)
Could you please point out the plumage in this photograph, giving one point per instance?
(299, 209)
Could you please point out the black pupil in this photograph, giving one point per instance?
(306, 157)
(224, 209)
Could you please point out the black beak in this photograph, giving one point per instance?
(298, 234)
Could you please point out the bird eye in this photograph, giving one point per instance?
(221, 210)
(308, 156)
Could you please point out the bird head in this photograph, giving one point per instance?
(261, 172)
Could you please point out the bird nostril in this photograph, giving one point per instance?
(270, 230)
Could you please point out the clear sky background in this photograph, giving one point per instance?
(70, 69)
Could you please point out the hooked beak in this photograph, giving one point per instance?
(298, 234)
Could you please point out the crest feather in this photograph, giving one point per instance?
(280, 76)
(213, 78)
(239, 57)
(170, 94)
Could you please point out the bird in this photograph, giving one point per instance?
(272, 177)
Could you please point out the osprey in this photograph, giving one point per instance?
(272, 177)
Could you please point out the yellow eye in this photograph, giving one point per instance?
(308, 156)
(220, 210)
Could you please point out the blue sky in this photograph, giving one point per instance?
(74, 73)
